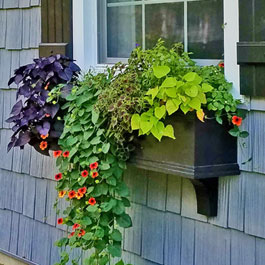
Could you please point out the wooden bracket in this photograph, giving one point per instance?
(207, 195)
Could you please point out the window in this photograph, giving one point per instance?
(90, 30)
(123, 24)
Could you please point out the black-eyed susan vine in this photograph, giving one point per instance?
(101, 116)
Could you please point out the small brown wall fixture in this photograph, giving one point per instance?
(201, 152)
(56, 28)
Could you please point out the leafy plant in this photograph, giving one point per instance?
(91, 176)
(37, 121)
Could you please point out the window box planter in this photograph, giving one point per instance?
(201, 152)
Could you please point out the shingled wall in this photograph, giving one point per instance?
(166, 228)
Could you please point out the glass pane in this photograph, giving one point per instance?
(124, 30)
(164, 21)
(205, 33)
(119, 1)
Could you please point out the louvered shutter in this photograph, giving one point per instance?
(251, 47)
(56, 27)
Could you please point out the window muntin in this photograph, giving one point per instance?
(123, 24)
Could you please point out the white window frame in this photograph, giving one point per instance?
(85, 38)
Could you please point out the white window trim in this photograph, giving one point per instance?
(86, 48)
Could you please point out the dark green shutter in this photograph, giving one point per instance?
(251, 47)
(56, 27)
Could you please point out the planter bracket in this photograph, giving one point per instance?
(207, 195)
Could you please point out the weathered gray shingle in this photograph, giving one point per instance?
(36, 163)
(11, 3)
(26, 28)
(25, 237)
(5, 56)
(1, 108)
(24, 3)
(133, 235)
(187, 241)
(5, 224)
(173, 194)
(14, 233)
(236, 202)
(27, 56)
(51, 197)
(242, 248)
(172, 239)
(35, 28)
(17, 192)
(136, 180)
(26, 159)
(260, 251)
(2, 28)
(212, 245)
(56, 234)
(6, 158)
(40, 200)
(29, 196)
(35, 2)
(254, 204)
(14, 24)
(6, 183)
(17, 160)
(153, 243)
(156, 192)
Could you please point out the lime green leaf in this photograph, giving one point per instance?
(171, 107)
(95, 140)
(135, 122)
(92, 208)
(202, 98)
(158, 130)
(160, 111)
(192, 77)
(87, 134)
(192, 91)
(195, 104)
(184, 108)
(116, 235)
(153, 92)
(161, 71)
(169, 82)
(169, 131)
(171, 92)
(146, 126)
(206, 87)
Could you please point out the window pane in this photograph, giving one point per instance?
(119, 1)
(164, 21)
(124, 30)
(205, 33)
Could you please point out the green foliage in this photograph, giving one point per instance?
(85, 135)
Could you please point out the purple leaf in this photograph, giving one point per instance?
(11, 80)
(52, 109)
(12, 143)
(13, 118)
(74, 67)
(18, 79)
(17, 108)
(23, 138)
(44, 129)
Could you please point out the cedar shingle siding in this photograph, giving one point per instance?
(166, 228)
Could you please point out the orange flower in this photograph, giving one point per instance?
(82, 190)
(61, 193)
(46, 87)
(94, 174)
(71, 194)
(84, 173)
(82, 233)
(42, 136)
(47, 115)
(221, 65)
(43, 145)
(66, 154)
(72, 234)
(236, 120)
(94, 165)
(92, 201)
(79, 195)
(57, 153)
(75, 226)
(60, 221)
(58, 176)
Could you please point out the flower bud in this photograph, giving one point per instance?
(97, 181)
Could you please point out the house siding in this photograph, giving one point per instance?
(166, 227)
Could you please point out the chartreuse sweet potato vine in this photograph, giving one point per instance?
(103, 113)
(91, 178)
